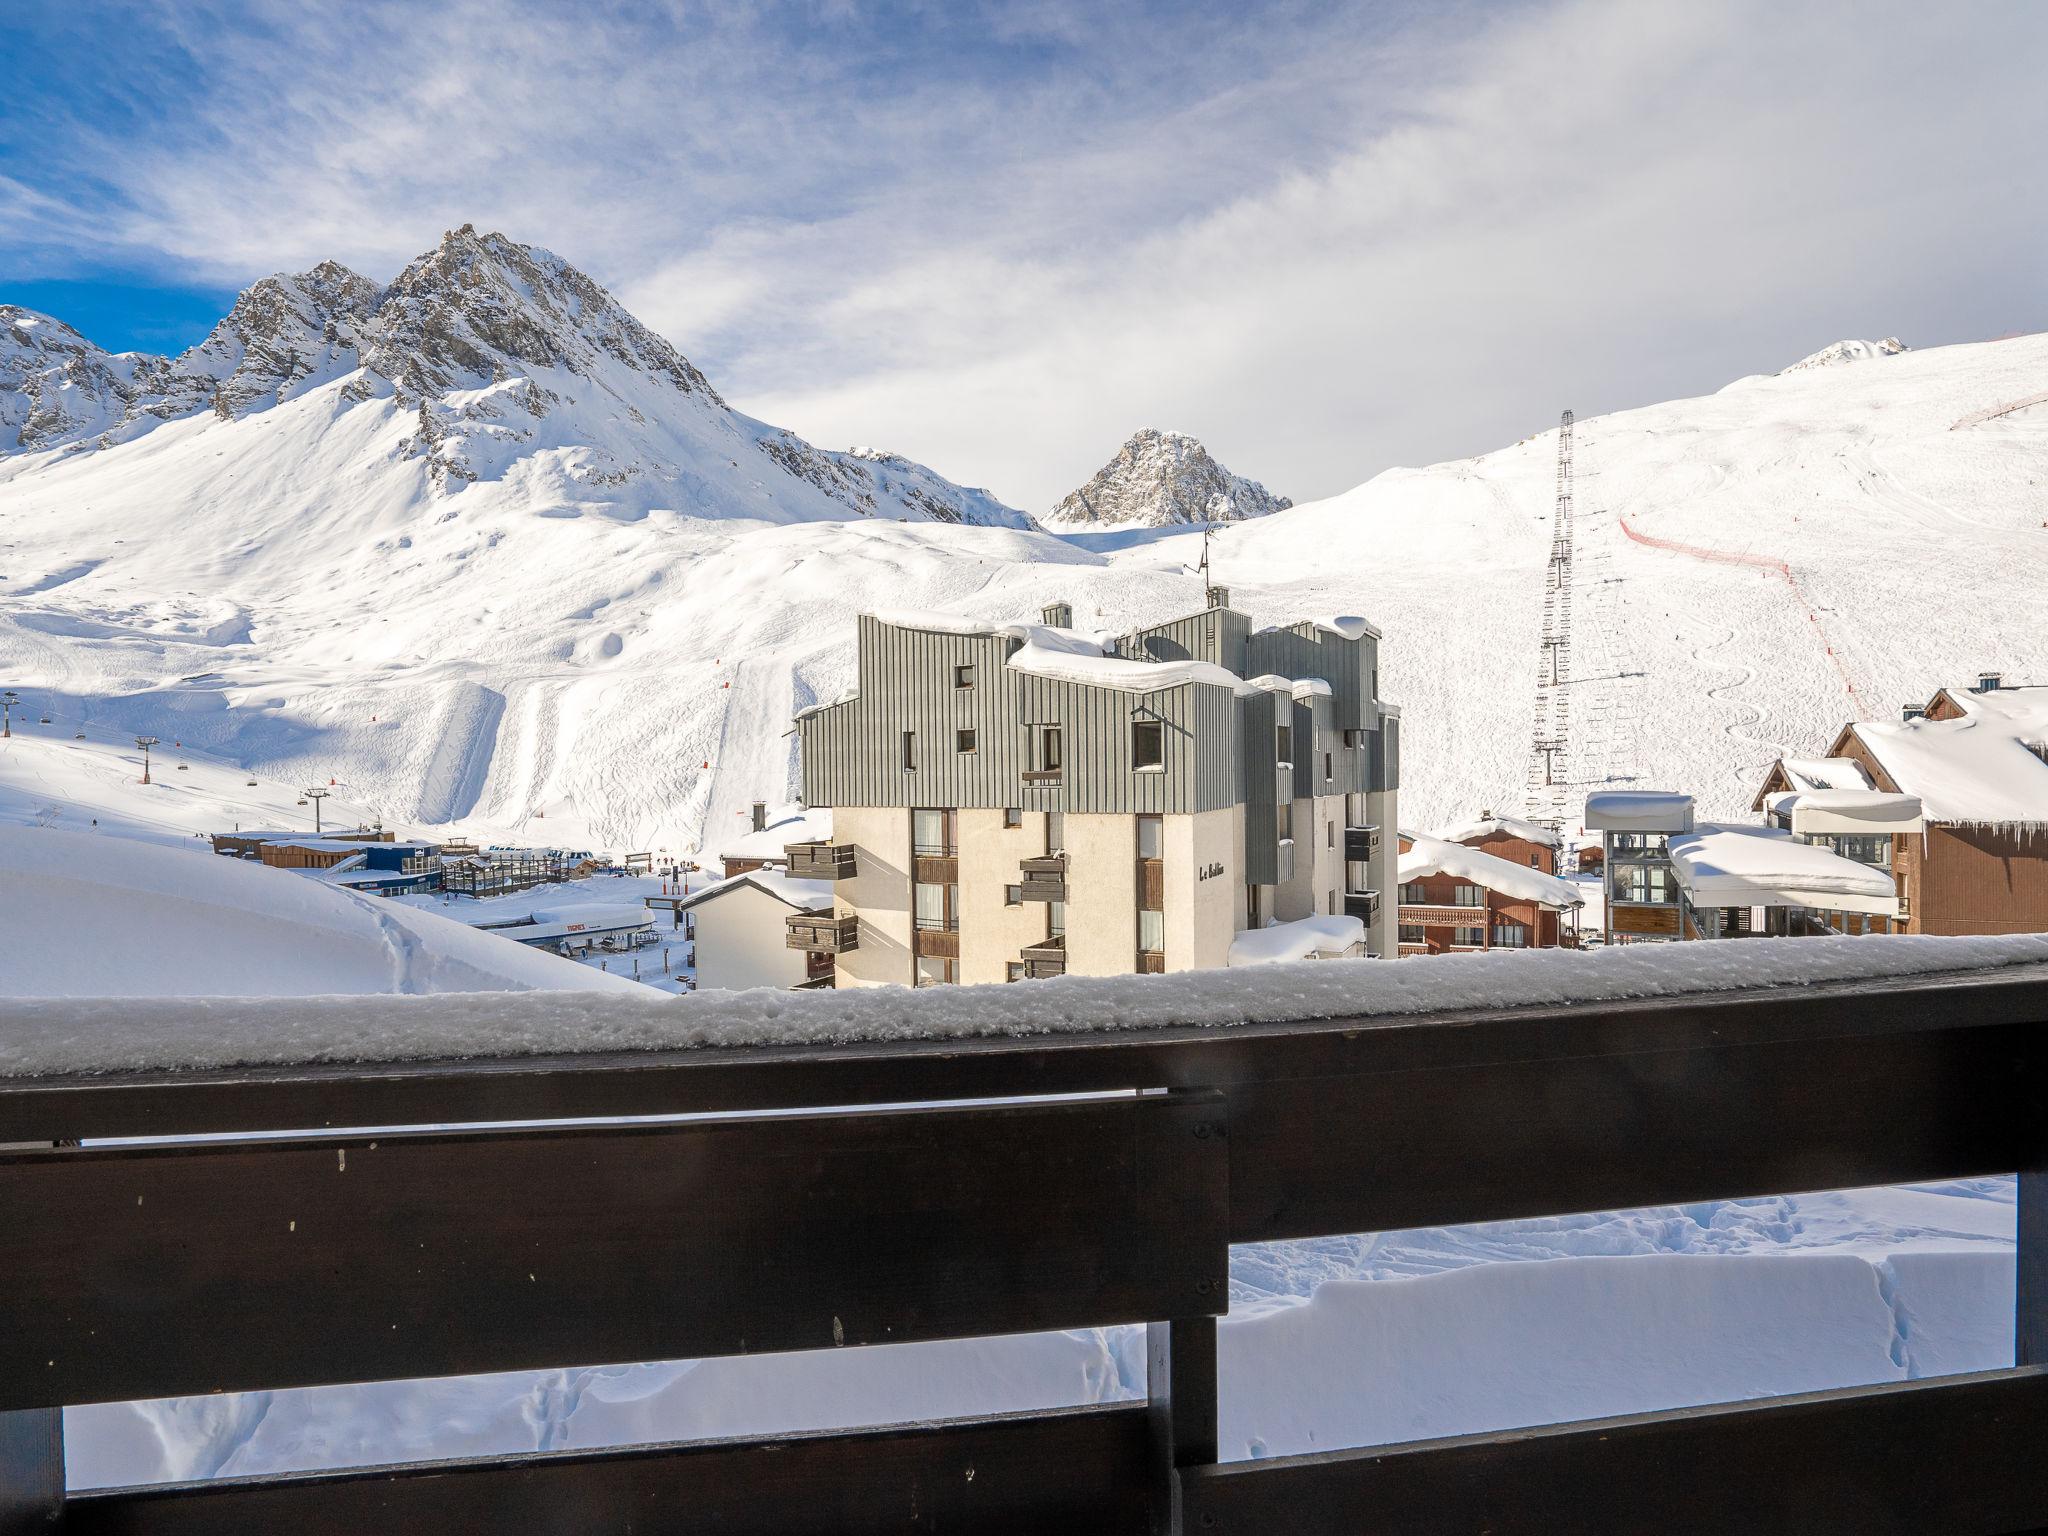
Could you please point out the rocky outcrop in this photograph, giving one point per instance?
(1158, 479)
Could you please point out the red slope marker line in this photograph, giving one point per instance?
(1992, 413)
(1765, 563)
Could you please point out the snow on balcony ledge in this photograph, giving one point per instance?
(86, 1035)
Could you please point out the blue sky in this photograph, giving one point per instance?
(1325, 238)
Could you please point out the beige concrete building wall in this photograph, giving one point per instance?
(1385, 815)
(1326, 875)
(1299, 896)
(1102, 895)
(742, 941)
(1203, 914)
(878, 893)
(991, 930)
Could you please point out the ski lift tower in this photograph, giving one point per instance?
(7, 702)
(316, 794)
(145, 742)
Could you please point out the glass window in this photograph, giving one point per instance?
(1469, 938)
(1646, 883)
(1412, 893)
(1013, 895)
(1014, 971)
(930, 908)
(1152, 932)
(1463, 895)
(1049, 757)
(1329, 766)
(963, 677)
(1151, 837)
(963, 741)
(1510, 936)
(932, 833)
(1012, 816)
(934, 972)
(1148, 744)
(910, 750)
(1055, 832)
(1411, 933)
(1055, 919)
(1285, 743)
(1284, 820)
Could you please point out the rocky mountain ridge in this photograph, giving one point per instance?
(507, 361)
(1163, 479)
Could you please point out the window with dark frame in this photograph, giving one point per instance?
(1148, 745)
(1284, 740)
(1012, 816)
(1013, 895)
(963, 741)
(963, 675)
(910, 751)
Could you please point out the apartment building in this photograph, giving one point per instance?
(1950, 802)
(1012, 801)
(1459, 894)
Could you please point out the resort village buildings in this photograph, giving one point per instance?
(1024, 800)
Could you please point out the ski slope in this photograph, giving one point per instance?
(285, 592)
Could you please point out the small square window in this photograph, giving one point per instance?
(1014, 971)
(1013, 895)
(1012, 816)
(1148, 744)
(963, 741)
(963, 676)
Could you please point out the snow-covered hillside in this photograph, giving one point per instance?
(543, 656)
(1161, 480)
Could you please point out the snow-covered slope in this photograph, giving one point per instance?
(105, 917)
(614, 666)
(1158, 480)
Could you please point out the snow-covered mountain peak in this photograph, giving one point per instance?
(478, 308)
(1849, 352)
(1159, 479)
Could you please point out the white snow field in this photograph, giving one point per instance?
(114, 919)
(302, 587)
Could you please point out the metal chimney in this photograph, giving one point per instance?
(760, 815)
(1219, 597)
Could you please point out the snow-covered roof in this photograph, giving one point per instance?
(85, 1035)
(1832, 811)
(1726, 866)
(1517, 882)
(936, 622)
(1638, 810)
(801, 895)
(94, 916)
(323, 844)
(1500, 826)
(1346, 626)
(1067, 656)
(1989, 767)
(1302, 939)
(1825, 773)
(791, 824)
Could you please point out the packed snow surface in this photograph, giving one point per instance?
(1320, 934)
(1437, 856)
(1850, 352)
(1639, 810)
(77, 1034)
(1825, 772)
(1499, 826)
(111, 918)
(803, 895)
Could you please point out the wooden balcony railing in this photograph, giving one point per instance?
(1046, 958)
(1044, 878)
(1363, 905)
(1361, 844)
(820, 861)
(148, 1270)
(823, 935)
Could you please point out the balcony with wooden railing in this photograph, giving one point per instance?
(1043, 877)
(821, 861)
(1361, 844)
(466, 1237)
(1048, 957)
(823, 935)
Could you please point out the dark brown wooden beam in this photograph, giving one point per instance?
(1961, 1457)
(31, 1470)
(771, 1077)
(1027, 1475)
(2030, 1343)
(186, 1269)
(1315, 1156)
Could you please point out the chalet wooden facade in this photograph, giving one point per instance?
(1499, 892)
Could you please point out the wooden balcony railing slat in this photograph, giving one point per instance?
(165, 1271)
(1019, 1475)
(1960, 1457)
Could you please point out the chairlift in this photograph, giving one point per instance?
(252, 783)
(183, 767)
(46, 719)
(302, 802)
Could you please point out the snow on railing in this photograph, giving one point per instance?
(87, 1035)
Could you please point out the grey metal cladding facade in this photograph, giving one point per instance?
(1350, 667)
(853, 753)
(1259, 721)
(1217, 635)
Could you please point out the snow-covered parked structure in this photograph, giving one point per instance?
(1528, 843)
(1027, 799)
(1668, 877)
(1950, 802)
(1458, 897)
(1320, 937)
(747, 928)
(766, 844)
